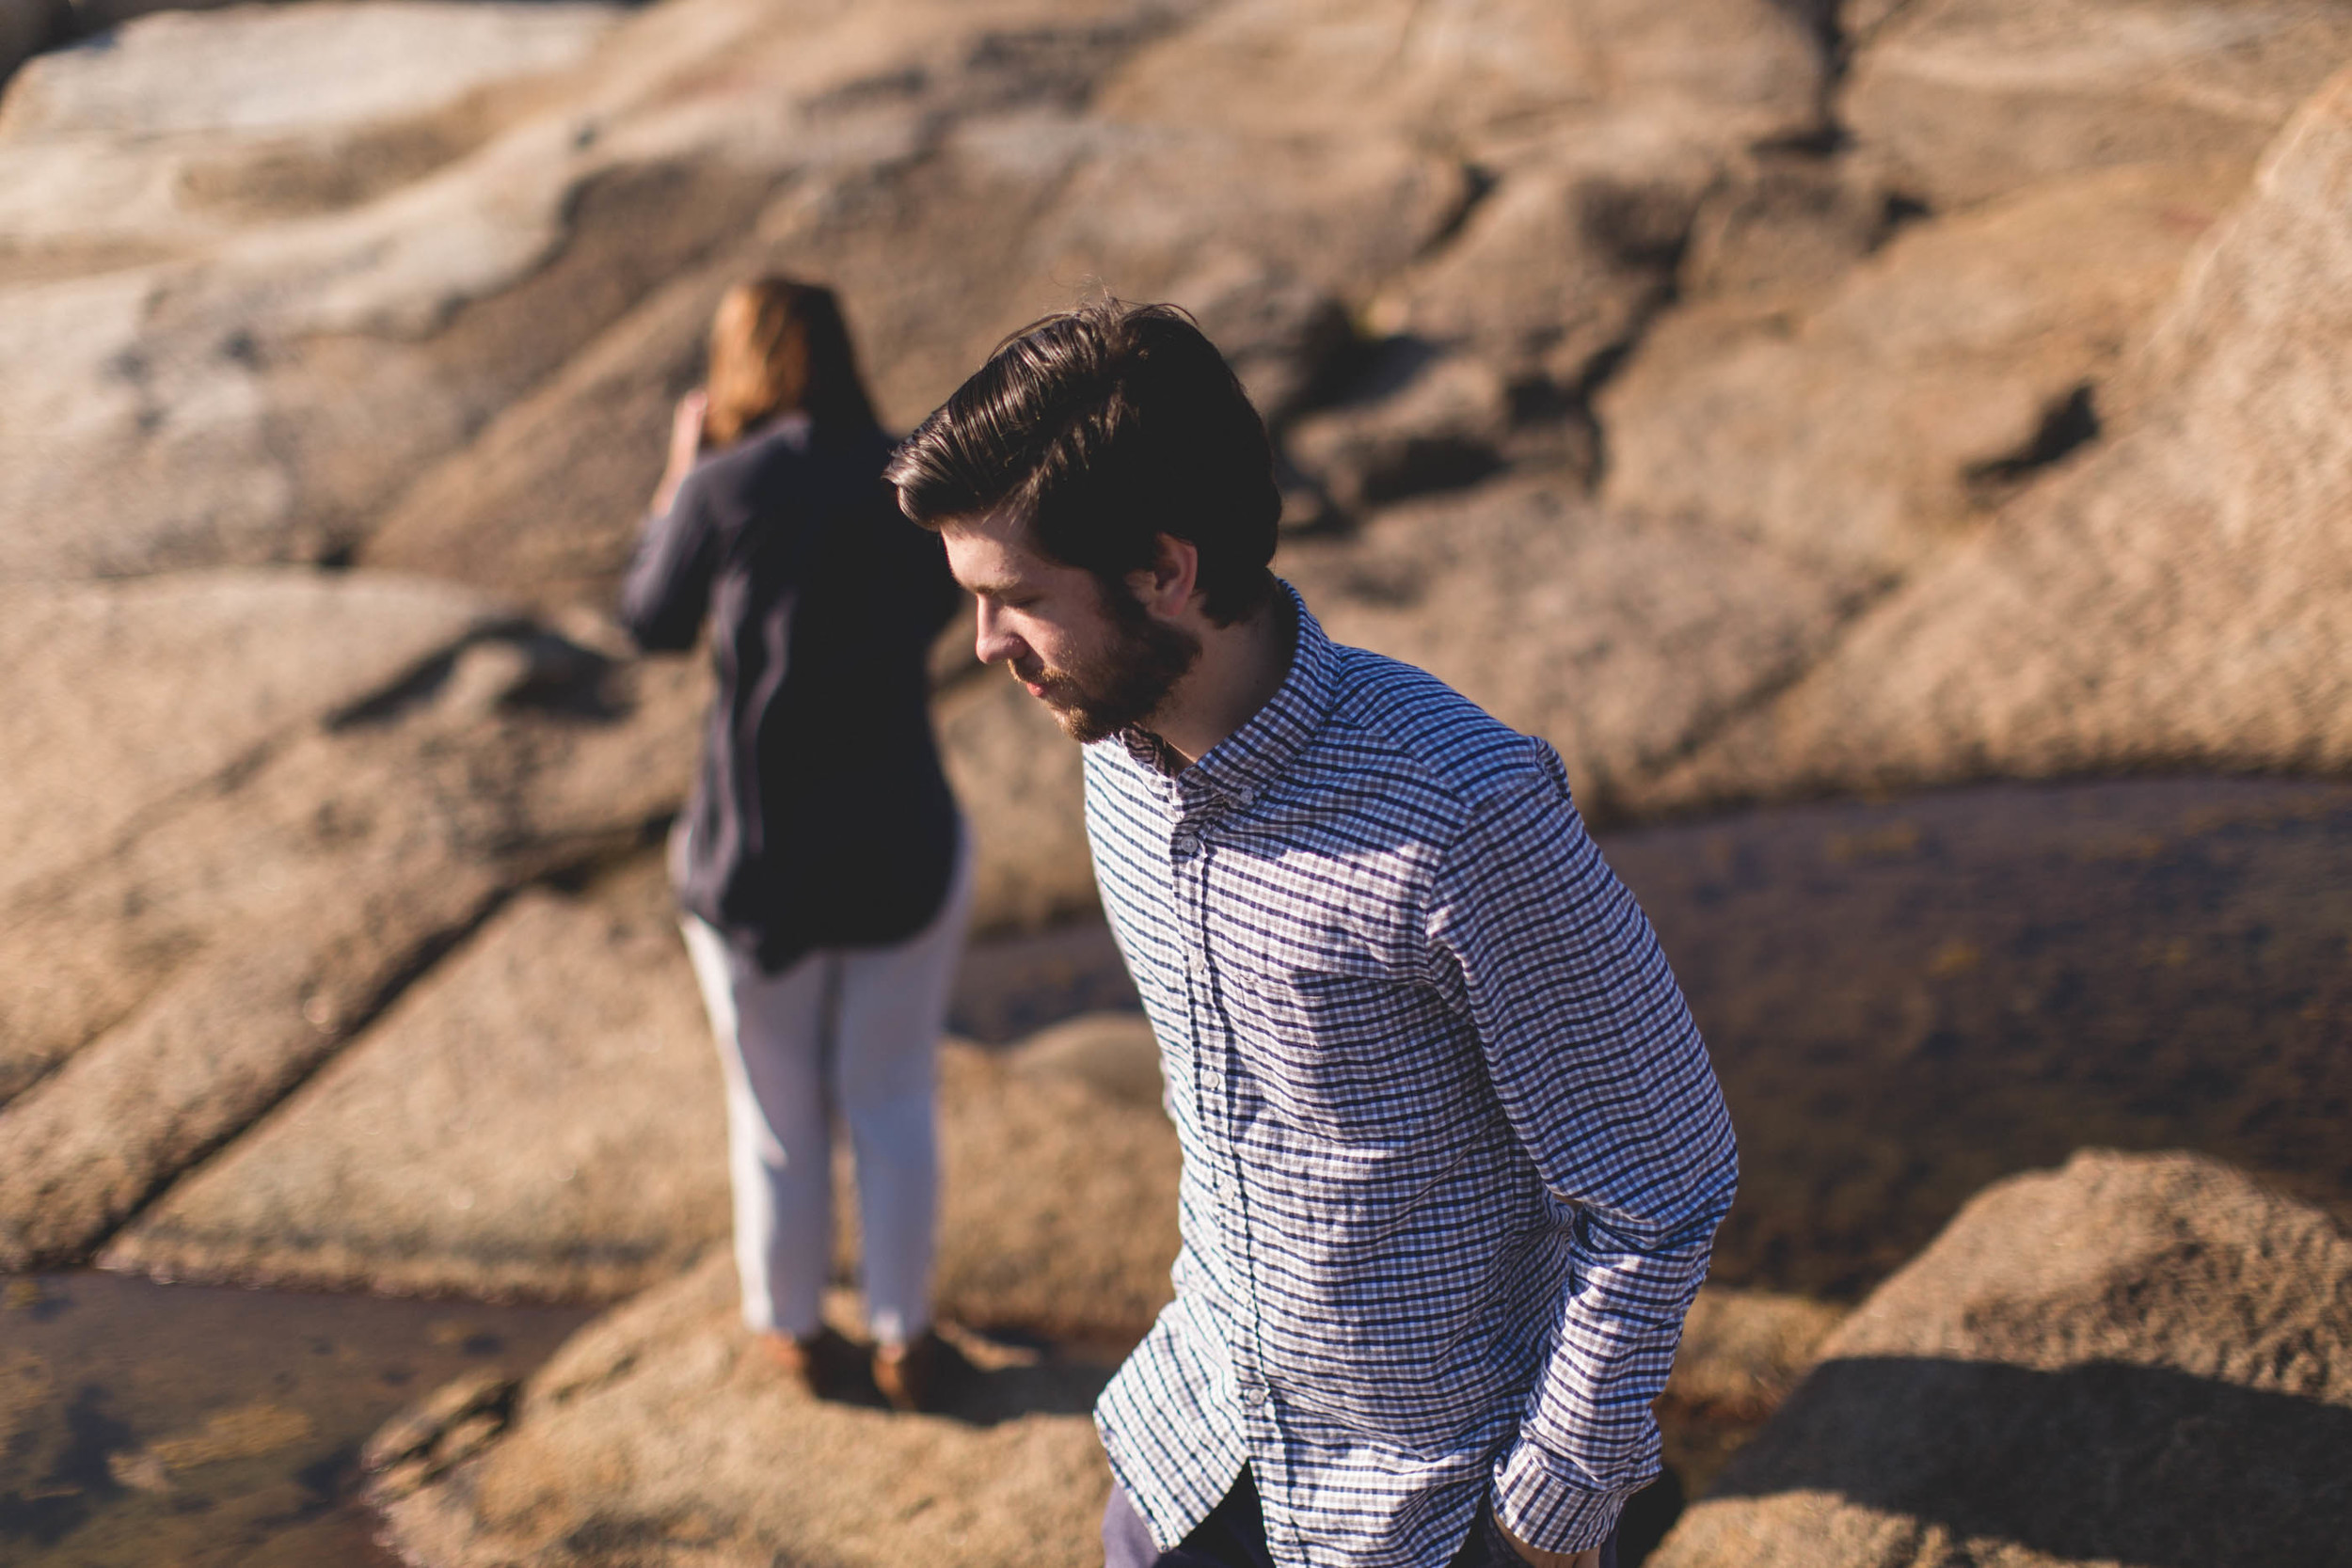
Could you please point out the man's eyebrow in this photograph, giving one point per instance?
(993, 588)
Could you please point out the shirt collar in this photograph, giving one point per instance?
(1242, 766)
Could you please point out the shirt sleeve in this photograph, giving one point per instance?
(1606, 1082)
(667, 588)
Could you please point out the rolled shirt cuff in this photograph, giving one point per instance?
(1536, 1500)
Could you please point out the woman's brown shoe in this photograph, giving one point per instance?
(828, 1364)
(926, 1373)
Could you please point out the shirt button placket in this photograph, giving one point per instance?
(1183, 853)
(1186, 856)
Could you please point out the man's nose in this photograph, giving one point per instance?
(991, 643)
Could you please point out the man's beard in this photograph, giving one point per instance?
(1097, 697)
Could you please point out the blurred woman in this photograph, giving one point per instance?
(821, 864)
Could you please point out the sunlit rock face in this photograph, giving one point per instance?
(171, 984)
(540, 1118)
(1621, 638)
(1969, 99)
(1868, 428)
(662, 1427)
(2176, 595)
(2097, 1364)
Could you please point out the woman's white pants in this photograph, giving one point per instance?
(846, 1031)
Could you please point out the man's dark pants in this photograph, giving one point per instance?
(1234, 1536)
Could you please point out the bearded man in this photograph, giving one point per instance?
(1454, 1156)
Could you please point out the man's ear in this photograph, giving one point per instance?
(1170, 582)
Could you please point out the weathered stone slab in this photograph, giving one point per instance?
(2136, 1358)
(121, 483)
(1620, 640)
(1588, 137)
(1874, 428)
(661, 1433)
(1444, 427)
(1287, 339)
(123, 694)
(548, 502)
(1742, 1351)
(1976, 99)
(231, 370)
(538, 1118)
(541, 1118)
(1493, 76)
(1560, 262)
(2179, 597)
(1780, 229)
(1058, 1210)
(1342, 210)
(176, 988)
(147, 713)
(1113, 1053)
(209, 413)
(1745, 1350)
(1031, 204)
(1133, 148)
(258, 68)
(201, 1056)
(144, 139)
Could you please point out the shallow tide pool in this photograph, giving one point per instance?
(181, 1426)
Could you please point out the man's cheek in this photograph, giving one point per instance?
(1043, 656)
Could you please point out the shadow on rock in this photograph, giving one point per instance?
(1006, 1377)
(2136, 1358)
(1044, 1387)
(2102, 1462)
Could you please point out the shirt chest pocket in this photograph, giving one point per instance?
(1357, 1058)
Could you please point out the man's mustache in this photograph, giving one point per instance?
(1052, 684)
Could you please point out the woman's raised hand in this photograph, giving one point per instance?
(686, 444)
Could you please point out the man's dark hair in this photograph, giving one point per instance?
(1106, 426)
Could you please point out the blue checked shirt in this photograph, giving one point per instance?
(1453, 1152)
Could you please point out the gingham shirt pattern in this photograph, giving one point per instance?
(1453, 1152)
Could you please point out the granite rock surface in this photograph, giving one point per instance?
(1969, 99)
(540, 1118)
(126, 695)
(2133, 1359)
(1623, 641)
(177, 983)
(1875, 428)
(2174, 597)
(661, 1433)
